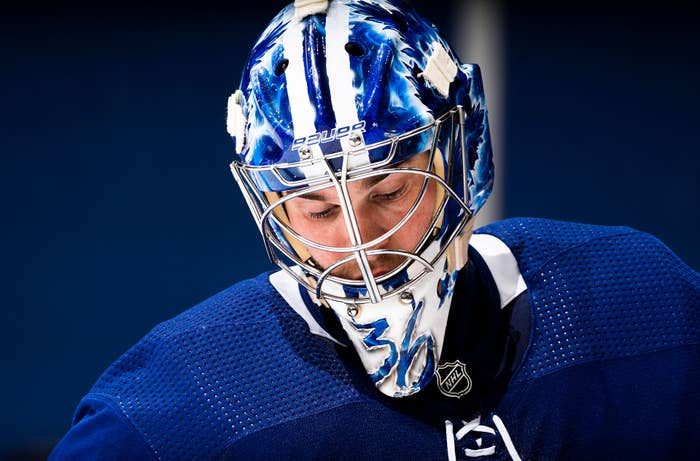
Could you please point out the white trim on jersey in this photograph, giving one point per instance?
(289, 288)
(502, 264)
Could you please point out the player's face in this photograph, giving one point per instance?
(379, 202)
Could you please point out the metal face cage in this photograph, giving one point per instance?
(447, 168)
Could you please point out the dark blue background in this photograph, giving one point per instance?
(120, 211)
(602, 116)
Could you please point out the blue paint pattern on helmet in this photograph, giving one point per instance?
(391, 96)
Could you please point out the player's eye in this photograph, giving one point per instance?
(323, 214)
(394, 194)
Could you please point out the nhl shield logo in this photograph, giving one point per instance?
(453, 380)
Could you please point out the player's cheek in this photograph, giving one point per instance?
(330, 232)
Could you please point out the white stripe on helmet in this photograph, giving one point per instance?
(302, 110)
(340, 75)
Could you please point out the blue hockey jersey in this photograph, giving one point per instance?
(564, 341)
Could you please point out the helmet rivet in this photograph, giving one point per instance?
(406, 297)
(355, 139)
(304, 153)
(353, 310)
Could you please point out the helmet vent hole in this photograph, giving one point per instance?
(281, 67)
(354, 49)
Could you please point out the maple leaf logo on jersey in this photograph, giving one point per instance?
(453, 380)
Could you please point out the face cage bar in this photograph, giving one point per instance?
(263, 212)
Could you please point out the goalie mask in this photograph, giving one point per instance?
(363, 153)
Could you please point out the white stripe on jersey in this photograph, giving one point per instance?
(502, 264)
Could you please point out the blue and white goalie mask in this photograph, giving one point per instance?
(363, 152)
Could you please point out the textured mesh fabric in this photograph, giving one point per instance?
(614, 314)
(222, 370)
(599, 293)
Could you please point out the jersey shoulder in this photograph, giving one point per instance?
(537, 242)
(239, 362)
(534, 241)
(243, 307)
(599, 293)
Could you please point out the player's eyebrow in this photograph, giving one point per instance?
(374, 180)
(367, 183)
(314, 196)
